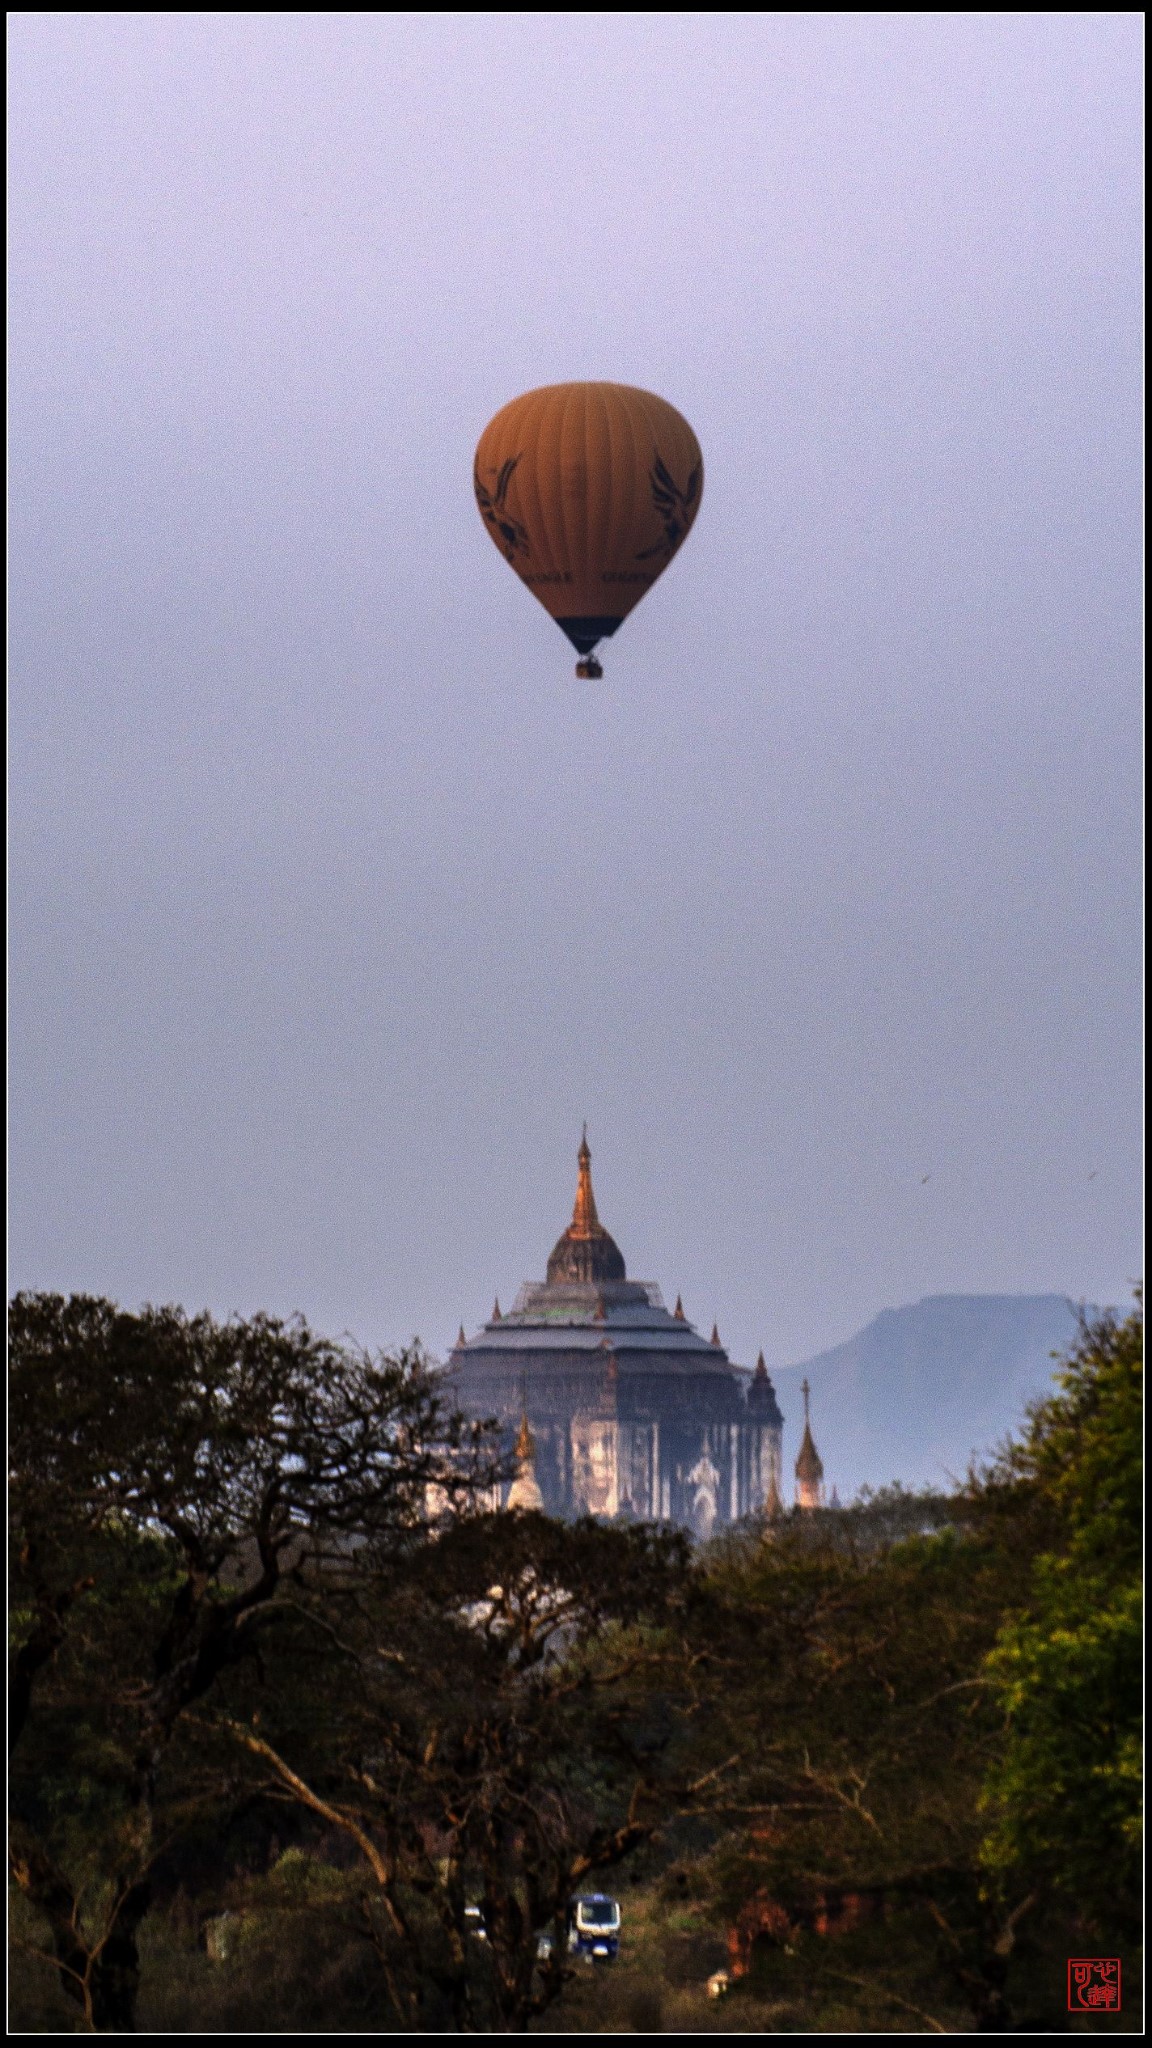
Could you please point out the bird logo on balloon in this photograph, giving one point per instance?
(676, 508)
(493, 505)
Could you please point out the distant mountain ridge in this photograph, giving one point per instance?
(921, 1390)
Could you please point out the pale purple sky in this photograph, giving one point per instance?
(336, 902)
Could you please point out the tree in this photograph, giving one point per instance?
(170, 1477)
(491, 1727)
(844, 1654)
(936, 1706)
(1063, 1799)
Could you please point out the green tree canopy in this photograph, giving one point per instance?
(1063, 1800)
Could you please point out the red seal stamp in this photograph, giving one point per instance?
(1094, 1984)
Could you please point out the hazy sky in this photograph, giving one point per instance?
(337, 903)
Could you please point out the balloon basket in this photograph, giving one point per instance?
(589, 670)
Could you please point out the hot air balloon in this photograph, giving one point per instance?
(588, 491)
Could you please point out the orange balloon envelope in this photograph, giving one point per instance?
(588, 490)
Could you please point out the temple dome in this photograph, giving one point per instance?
(585, 1252)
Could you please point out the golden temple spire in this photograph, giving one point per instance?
(461, 1339)
(585, 1222)
(715, 1337)
(496, 1317)
(525, 1442)
(678, 1311)
(585, 1253)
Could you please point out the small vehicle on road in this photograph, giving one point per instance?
(594, 1927)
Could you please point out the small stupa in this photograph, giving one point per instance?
(524, 1491)
(809, 1470)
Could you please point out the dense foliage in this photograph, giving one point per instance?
(491, 1729)
(1063, 1799)
(289, 1701)
(170, 1476)
(848, 1674)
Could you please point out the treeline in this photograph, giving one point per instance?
(286, 1700)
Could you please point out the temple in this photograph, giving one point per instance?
(623, 1410)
